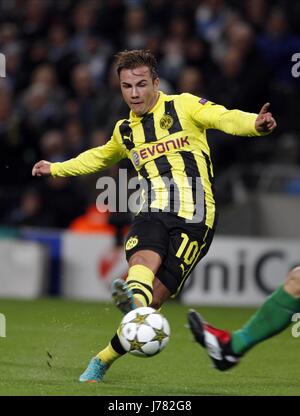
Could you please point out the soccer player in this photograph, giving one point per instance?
(165, 138)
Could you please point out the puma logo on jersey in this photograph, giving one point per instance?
(130, 138)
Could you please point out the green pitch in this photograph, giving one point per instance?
(49, 342)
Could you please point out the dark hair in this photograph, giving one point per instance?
(135, 58)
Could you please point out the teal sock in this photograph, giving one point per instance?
(270, 319)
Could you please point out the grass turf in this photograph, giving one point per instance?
(49, 342)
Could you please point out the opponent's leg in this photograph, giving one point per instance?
(214, 340)
(272, 317)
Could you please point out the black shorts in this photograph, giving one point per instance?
(181, 245)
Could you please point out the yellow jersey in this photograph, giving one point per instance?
(168, 145)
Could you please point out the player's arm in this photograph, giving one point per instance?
(90, 161)
(265, 123)
(236, 122)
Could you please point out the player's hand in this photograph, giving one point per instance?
(41, 168)
(264, 122)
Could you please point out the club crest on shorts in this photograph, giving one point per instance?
(166, 122)
(132, 242)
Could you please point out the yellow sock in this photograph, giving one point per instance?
(140, 281)
(108, 355)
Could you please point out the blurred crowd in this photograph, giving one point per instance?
(61, 94)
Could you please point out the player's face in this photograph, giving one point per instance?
(139, 90)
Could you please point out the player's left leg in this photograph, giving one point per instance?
(114, 349)
(105, 358)
(160, 294)
(168, 260)
(143, 289)
(99, 364)
(272, 317)
(146, 246)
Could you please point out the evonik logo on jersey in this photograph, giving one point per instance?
(158, 149)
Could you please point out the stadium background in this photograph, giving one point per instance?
(60, 96)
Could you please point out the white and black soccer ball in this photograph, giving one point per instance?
(144, 332)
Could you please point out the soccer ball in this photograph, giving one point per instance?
(144, 332)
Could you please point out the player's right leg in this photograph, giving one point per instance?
(146, 247)
(138, 289)
(100, 364)
(123, 297)
(114, 350)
